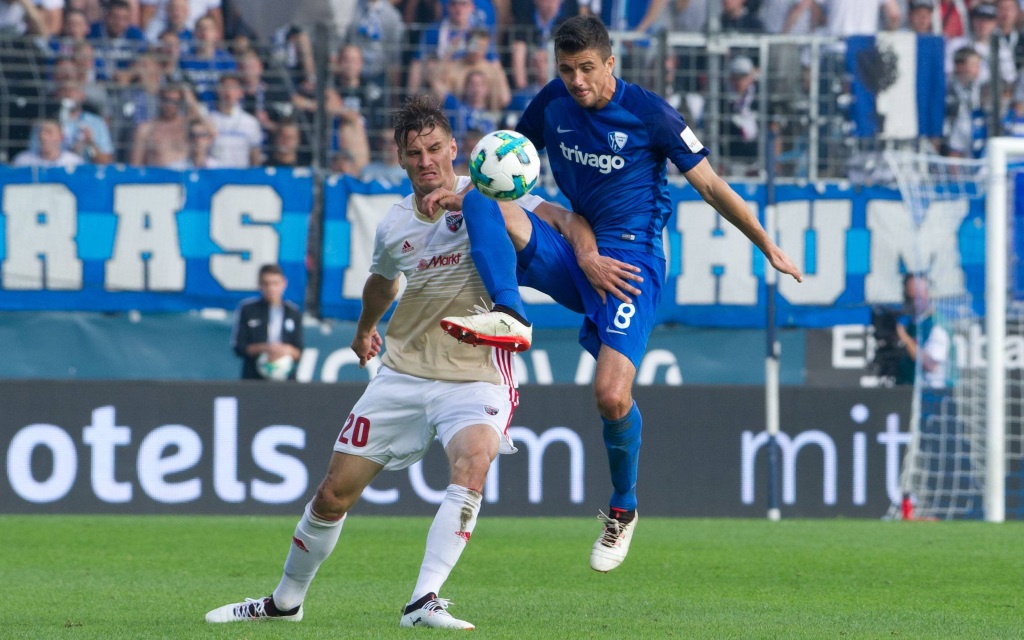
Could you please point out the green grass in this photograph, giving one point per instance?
(112, 577)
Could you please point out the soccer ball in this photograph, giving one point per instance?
(504, 165)
(278, 369)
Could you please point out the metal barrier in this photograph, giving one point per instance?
(799, 89)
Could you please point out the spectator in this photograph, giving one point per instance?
(155, 15)
(452, 73)
(140, 101)
(1008, 16)
(378, 32)
(177, 19)
(925, 340)
(964, 128)
(293, 50)
(207, 60)
(389, 168)
(856, 17)
(794, 17)
(532, 26)
(736, 17)
(170, 48)
(163, 141)
(537, 73)
(921, 17)
(268, 102)
(445, 40)
(469, 142)
(953, 18)
(22, 17)
(83, 133)
(238, 138)
(49, 152)
(739, 125)
(200, 140)
(353, 92)
(286, 149)
(471, 111)
(983, 25)
(267, 326)
(80, 67)
(117, 41)
(75, 29)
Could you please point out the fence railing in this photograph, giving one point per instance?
(798, 87)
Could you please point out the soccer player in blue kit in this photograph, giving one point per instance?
(608, 142)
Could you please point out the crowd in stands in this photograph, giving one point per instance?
(189, 83)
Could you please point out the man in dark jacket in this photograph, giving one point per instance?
(267, 331)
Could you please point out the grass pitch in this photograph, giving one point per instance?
(113, 577)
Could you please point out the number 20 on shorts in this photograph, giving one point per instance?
(356, 431)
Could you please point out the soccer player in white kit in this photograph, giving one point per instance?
(427, 385)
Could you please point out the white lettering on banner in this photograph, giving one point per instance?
(652, 361)
(240, 223)
(147, 252)
(711, 244)
(41, 231)
(537, 446)
(849, 346)
(931, 246)
(225, 451)
(62, 472)
(154, 466)
(103, 436)
(293, 474)
(789, 447)
(423, 490)
(828, 221)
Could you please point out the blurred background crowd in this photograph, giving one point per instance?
(241, 83)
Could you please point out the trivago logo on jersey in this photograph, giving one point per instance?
(603, 162)
(439, 261)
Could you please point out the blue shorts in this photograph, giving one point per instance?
(547, 263)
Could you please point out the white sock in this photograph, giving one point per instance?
(312, 543)
(448, 535)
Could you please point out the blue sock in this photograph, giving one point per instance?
(492, 250)
(622, 440)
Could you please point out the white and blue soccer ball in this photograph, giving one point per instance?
(278, 369)
(504, 165)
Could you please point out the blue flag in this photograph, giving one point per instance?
(891, 71)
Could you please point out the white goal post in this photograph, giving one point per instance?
(1000, 152)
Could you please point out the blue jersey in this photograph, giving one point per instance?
(611, 162)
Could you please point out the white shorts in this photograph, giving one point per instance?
(398, 416)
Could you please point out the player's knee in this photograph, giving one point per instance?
(470, 470)
(333, 502)
(612, 402)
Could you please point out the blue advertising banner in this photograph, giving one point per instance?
(121, 238)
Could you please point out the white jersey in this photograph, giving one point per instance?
(441, 280)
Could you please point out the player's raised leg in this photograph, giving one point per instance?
(622, 428)
(505, 325)
(315, 537)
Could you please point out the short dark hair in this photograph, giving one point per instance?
(420, 113)
(583, 32)
(271, 269)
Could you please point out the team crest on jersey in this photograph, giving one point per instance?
(453, 219)
(617, 140)
(491, 411)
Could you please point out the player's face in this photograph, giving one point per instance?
(587, 77)
(272, 286)
(428, 158)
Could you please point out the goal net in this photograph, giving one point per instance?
(964, 457)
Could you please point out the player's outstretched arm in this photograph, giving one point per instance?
(378, 294)
(605, 274)
(730, 206)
